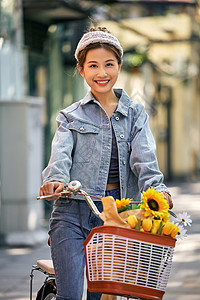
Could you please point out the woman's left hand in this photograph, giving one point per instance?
(169, 199)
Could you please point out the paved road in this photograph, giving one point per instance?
(184, 283)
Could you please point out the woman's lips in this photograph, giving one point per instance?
(102, 82)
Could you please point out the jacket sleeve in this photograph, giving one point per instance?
(60, 162)
(143, 161)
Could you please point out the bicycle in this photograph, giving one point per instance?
(119, 261)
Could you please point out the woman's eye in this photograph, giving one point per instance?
(109, 64)
(93, 66)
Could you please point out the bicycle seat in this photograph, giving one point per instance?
(46, 266)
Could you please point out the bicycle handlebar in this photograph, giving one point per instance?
(74, 187)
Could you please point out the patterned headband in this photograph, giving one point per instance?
(97, 37)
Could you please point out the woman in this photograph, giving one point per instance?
(103, 141)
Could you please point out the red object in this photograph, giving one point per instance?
(128, 262)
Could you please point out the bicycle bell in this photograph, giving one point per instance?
(74, 186)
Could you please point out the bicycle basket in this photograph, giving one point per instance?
(128, 262)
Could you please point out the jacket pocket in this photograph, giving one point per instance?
(85, 136)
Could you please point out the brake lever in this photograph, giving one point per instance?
(64, 193)
(47, 196)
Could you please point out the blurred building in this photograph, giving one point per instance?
(37, 40)
(37, 78)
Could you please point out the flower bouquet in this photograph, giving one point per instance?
(153, 215)
(132, 253)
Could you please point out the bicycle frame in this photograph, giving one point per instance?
(45, 272)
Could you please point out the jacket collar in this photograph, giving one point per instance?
(123, 105)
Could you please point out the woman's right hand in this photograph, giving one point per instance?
(52, 187)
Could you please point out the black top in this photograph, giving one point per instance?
(113, 175)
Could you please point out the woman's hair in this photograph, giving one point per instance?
(81, 55)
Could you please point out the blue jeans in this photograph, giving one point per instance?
(70, 224)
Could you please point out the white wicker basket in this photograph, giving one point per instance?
(128, 262)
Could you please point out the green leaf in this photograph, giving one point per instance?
(122, 208)
(137, 227)
(160, 228)
(134, 206)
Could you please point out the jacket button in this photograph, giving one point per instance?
(123, 162)
(117, 118)
(121, 136)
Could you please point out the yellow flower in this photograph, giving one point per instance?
(118, 203)
(167, 229)
(155, 226)
(125, 201)
(175, 230)
(132, 221)
(147, 224)
(154, 203)
(122, 204)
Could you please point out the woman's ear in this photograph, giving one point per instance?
(80, 70)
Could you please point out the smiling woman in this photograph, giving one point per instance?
(100, 71)
(105, 142)
(99, 62)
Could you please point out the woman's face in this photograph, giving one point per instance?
(100, 71)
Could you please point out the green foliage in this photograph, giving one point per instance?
(161, 227)
(123, 208)
(138, 225)
(135, 59)
(134, 206)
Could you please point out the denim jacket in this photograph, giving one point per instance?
(81, 148)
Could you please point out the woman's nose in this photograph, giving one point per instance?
(102, 71)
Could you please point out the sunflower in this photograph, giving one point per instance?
(122, 204)
(154, 203)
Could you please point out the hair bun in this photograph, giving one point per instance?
(99, 28)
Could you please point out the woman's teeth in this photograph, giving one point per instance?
(104, 81)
